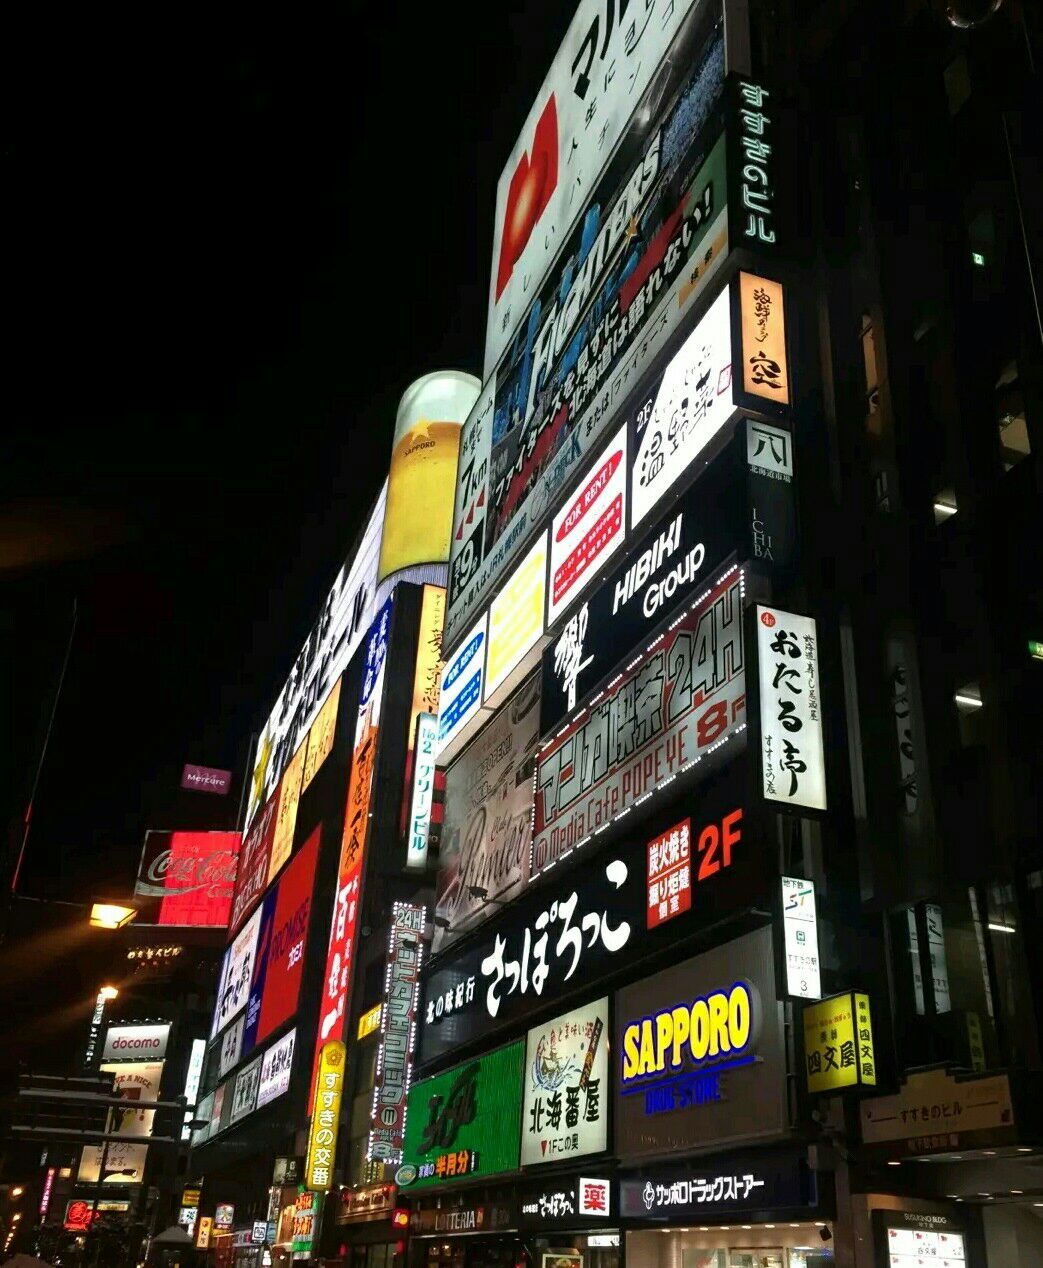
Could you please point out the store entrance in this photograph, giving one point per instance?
(473, 1252)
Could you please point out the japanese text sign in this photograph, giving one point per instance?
(733, 1184)
(838, 1043)
(754, 128)
(566, 1082)
(937, 1112)
(800, 934)
(764, 372)
(423, 797)
(460, 695)
(325, 1117)
(793, 764)
(463, 1124)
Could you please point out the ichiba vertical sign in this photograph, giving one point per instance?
(397, 1032)
(792, 758)
(325, 1117)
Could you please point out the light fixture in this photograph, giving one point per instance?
(989, 1153)
(894, 1164)
(968, 698)
(998, 928)
(978, 259)
(108, 992)
(1024, 1149)
(111, 915)
(1017, 1192)
(17, 1191)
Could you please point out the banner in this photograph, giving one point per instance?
(679, 704)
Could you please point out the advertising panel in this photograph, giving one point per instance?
(124, 1163)
(320, 737)
(276, 1064)
(283, 936)
(488, 817)
(650, 239)
(564, 1114)
(346, 614)
(244, 1091)
(764, 363)
(800, 935)
(838, 1043)
(252, 874)
(427, 678)
(670, 566)
(595, 84)
(557, 1202)
(460, 695)
(231, 1047)
(793, 764)
(700, 1053)
(192, 874)
(677, 706)
(569, 936)
(237, 974)
(463, 1124)
(589, 528)
(325, 1117)
(423, 798)
(286, 813)
(720, 1187)
(134, 1081)
(516, 624)
(78, 1212)
(422, 477)
(906, 1239)
(343, 927)
(133, 1043)
(397, 1032)
(206, 779)
(681, 414)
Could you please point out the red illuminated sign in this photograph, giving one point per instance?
(287, 939)
(670, 863)
(192, 874)
(252, 875)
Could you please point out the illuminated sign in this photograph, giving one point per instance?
(670, 874)
(594, 86)
(131, 1043)
(589, 528)
(793, 765)
(276, 1064)
(206, 779)
(286, 813)
(516, 624)
(423, 791)
(564, 1110)
(254, 855)
(701, 1052)
(460, 694)
(133, 1081)
(397, 1032)
(192, 874)
(224, 1217)
(935, 1111)
(369, 1022)
(910, 1240)
(764, 363)
(325, 1117)
(427, 678)
(800, 933)
(733, 1185)
(45, 1197)
(79, 1216)
(756, 134)
(488, 817)
(231, 1047)
(236, 974)
(203, 1230)
(675, 706)
(320, 736)
(558, 1203)
(346, 614)
(124, 1163)
(244, 1091)
(652, 234)
(463, 1124)
(193, 1076)
(838, 1043)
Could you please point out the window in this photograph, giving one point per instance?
(1010, 417)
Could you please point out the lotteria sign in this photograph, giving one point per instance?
(463, 1124)
(572, 933)
(700, 1052)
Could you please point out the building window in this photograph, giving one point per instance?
(945, 506)
(1010, 417)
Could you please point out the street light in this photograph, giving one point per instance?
(109, 992)
(17, 1191)
(111, 915)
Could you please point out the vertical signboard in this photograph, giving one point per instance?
(838, 1043)
(427, 677)
(286, 814)
(320, 737)
(755, 129)
(423, 791)
(460, 696)
(564, 1114)
(325, 1117)
(793, 766)
(800, 934)
(254, 855)
(397, 1032)
(764, 362)
(237, 974)
(516, 624)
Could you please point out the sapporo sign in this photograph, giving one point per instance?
(627, 902)
(463, 1124)
(679, 704)
(659, 224)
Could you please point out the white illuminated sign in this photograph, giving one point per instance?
(192, 1078)
(423, 791)
(800, 929)
(460, 695)
(793, 767)
(275, 1069)
(566, 1063)
(133, 1043)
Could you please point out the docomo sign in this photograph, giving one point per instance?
(129, 1043)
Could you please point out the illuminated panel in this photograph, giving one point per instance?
(192, 874)
(325, 1118)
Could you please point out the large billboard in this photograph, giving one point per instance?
(462, 1125)
(345, 617)
(133, 1081)
(133, 1042)
(254, 857)
(582, 926)
(622, 288)
(487, 833)
(607, 66)
(191, 875)
(237, 971)
(675, 707)
(700, 1054)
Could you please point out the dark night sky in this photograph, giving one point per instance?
(230, 246)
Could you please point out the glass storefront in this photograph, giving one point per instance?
(780, 1245)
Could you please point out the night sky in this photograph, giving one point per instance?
(230, 246)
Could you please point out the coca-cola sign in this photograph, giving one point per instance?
(191, 874)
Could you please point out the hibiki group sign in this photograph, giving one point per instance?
(566, 1081)
(681, 702)
(648, 243)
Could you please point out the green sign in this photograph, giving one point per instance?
(465, 1123)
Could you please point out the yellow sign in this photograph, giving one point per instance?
(320, 737)
(325, 1118)
(516, 618)
(203, 1230)
(764, 365)
(286, 815)
(370, 1021)
(838, 1043)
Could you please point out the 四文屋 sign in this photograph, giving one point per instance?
(838, 1043)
